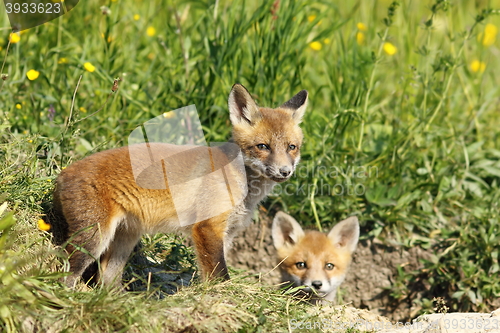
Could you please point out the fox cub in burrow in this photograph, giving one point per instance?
(312, 259)
(100, 212)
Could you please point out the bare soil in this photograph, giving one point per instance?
(369, 280)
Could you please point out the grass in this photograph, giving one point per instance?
(407, 141)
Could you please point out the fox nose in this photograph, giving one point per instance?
(285, 171)
(317, 284)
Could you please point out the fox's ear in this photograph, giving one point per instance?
(346, 234)
(242, 107)
(286, 230)
(297, 104)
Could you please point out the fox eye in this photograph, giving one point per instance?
(292, 147)
(329, 266)
(263, 146)
(301, 265)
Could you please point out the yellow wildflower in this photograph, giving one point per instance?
(137, 17)
(311, 18)
(150, 31)
(32, 74)
(361, 27)
(89, 67)
(326, 41)
(42, 225)
(489, 36)
(360, 37)
(316, 46)
(14, 37)
(18, 106)
(477, 66)
(82, 109)
(390, 49)
(63, 61)
(109, 39)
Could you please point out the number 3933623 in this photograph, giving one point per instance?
(33, 8)
(26, 14)
(471, 324)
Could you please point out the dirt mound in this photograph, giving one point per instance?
(368, 281)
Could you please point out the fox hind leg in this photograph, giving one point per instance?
(80, 258)
(87, 246)
(116, 256)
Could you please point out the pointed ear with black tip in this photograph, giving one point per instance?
(345, 234)
(298, 104)
(286, 231)
(242, 107)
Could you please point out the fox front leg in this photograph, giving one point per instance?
(208, 237)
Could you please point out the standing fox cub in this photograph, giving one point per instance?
(312, 259)
(100, 212)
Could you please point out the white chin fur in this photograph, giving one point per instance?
(325, 289)
(265, 171)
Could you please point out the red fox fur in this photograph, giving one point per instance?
(312, 259)
(101, 212)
